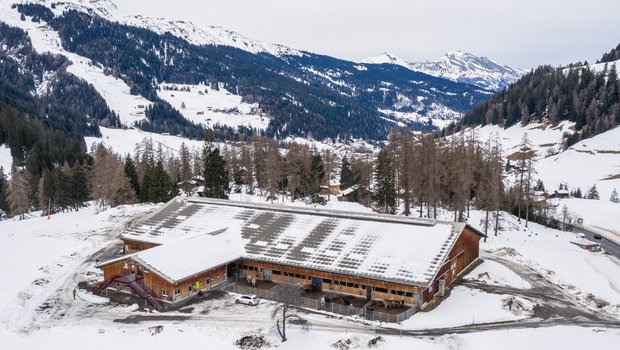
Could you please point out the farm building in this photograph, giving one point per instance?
(194, 244)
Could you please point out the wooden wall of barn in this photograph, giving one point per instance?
(130, 247)
(160, 287)
(382, 290)
(465, 251)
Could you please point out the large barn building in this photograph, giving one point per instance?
(194, 244)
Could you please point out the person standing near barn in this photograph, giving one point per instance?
(74, 293)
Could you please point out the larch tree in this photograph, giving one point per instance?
(525, 152)
(109, 184)
(18, 196)
(330, 164)
(614, 196)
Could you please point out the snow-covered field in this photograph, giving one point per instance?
(474, 306)
(550, 252)
(125, 141)
(43, 260)
(204, 105)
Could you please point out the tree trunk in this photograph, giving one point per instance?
(486, 226)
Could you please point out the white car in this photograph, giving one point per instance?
(580, 235)
(248, 299)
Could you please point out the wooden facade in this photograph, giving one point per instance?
(130, 247)
(160, 287)
(464, 252)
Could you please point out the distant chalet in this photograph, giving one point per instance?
(194, 244)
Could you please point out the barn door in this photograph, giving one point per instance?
(317, 283)
(368, 293)
(267, 274)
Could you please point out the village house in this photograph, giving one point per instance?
(194, 244)
(332, 187)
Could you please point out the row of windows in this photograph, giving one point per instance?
(401, 293)
(295, 275)
(330, 281)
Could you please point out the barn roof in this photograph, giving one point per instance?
(398, 249)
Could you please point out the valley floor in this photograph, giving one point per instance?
(534, 289)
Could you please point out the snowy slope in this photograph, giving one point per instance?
(113, 90)
(459, 66)
(193, 33)
(204, 105)
(592, 161)
(6, 160)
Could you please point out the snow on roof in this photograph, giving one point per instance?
(349, 190)
(179, 260)
(399, 249)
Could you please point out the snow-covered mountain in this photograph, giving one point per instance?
(291, 92)
(198, 35)
(460, 67)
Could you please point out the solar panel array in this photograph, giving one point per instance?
(398, 250)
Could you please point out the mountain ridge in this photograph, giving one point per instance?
(458, 66)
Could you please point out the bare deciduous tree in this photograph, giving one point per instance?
(286, 311)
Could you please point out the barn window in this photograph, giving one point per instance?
(125, 266)
(276, 272)
(327, 280)
(381, 290)
(164, 293)
(177, 292)
(146, 270)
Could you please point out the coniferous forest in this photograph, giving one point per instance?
(575, 93)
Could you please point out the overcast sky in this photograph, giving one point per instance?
(520, 33)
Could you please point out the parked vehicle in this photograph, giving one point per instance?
(597, 236)
(248, 299)
(580, 235)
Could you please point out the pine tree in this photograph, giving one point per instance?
(317, 175)
(346, 174)
(216, 177)
(614, 196)
(593, 193)
(132, 174)
(385, 190)
(186, 170)
(79, 187)
(156, 185)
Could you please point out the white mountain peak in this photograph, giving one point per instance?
(195, 34)
(459, 66)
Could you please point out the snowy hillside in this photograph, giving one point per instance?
(195, 34)
(459, 66)
(594, 161)
(202, 104)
